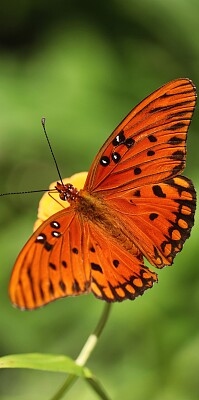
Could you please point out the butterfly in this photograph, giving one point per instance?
(135, 203)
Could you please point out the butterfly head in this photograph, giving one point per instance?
(67, 192)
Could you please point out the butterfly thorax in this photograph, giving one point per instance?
(92, 207)
(67, 192)
(95, 210)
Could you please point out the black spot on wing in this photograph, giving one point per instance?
(153, 216)
(177, 155)
(96, 267)
(76, 287)
(48, 246)
(31, 284)
(75, 250)
(129, 142)
(41, 292)
(52, 266)
(51, 288)
(175, 140)
(119, 139)
(152, 138)
(116, 263)
(176, 126)
(104, 161)
(169, 106)
(41, 238)
(62, 286)
(137, 193)
(116, 157)
(137, 171)
(55, 224)
(178, 168)
(64, 263)
(55, 234)
(157, 190)
(87, 285)
(150, 153)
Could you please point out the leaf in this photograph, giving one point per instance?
(45, 362)
(53, 363)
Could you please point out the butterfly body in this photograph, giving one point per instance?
(94, 211)
(134, 203)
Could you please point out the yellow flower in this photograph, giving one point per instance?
(51, 203)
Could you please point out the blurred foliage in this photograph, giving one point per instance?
(84, 65)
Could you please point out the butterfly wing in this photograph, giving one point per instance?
(53, 263)
(67, 256)
(116, 274)
(136, 172)
(160, 217)
(149, 145)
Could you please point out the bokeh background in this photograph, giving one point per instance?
(84, 65)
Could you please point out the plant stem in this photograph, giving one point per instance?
(85, 354)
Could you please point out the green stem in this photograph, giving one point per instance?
(84, 355)
(97, 387)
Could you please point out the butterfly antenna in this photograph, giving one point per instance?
(40, 190)
(30, 191)
(43, 121)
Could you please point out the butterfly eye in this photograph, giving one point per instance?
(63, 196)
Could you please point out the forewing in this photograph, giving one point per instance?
(150, 143)
(53, 263)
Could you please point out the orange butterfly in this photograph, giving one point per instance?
(134, 203)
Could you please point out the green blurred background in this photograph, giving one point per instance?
(84, 65)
